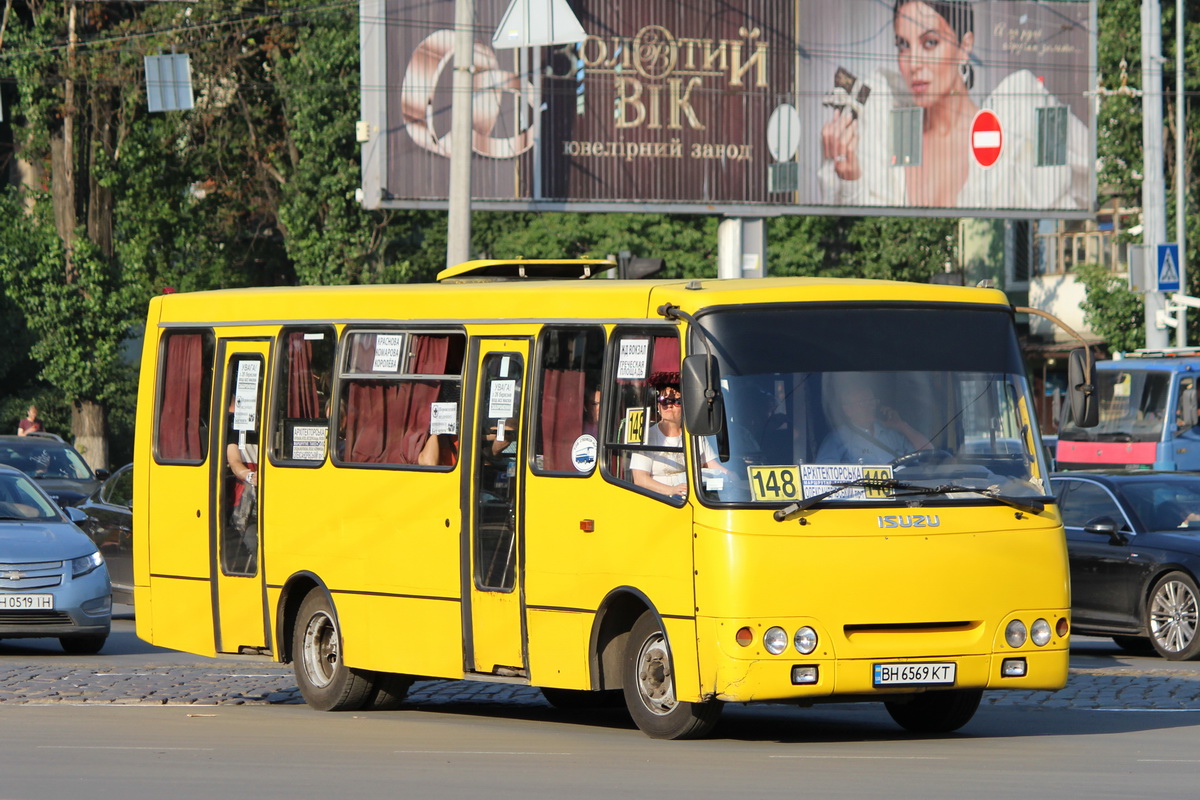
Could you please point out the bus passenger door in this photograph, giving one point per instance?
(241, 618)
(495, 641)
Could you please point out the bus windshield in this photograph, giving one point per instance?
(1133, 407)
(820, 397)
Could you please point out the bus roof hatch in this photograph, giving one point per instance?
(486, 270)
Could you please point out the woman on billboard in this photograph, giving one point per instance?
(864, 161)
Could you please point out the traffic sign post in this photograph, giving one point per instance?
(1168, 268)
(987, 138)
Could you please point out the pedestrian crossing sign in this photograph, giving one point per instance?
(1168, 268)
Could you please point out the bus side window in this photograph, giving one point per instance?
(302, 392)
(185, 370)
(644, 362)
(400, 390)
(569, 406)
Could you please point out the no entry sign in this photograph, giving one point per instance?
(987, 140)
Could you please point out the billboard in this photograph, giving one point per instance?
(750, 107)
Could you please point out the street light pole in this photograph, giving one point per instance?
(458, 224)
(1181, 179)
(1154, 198)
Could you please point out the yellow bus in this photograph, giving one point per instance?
(690, 493)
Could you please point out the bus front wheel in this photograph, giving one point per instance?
(325, 681)
(649, 686)
(935, 712)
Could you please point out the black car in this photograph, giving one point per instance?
(109, 523)
(56, 466)
(1134, 543)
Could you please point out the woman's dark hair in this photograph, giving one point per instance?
(957, 13)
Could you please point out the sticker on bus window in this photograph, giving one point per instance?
(633, 359)
(443, 418)
(502, 399)
(583, 453)
(820, 478)
(314, 337)
(774, 483)
(633, 431)
(387, 353)
(308, 442)
(245, 398)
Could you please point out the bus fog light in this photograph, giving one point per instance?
(775, 640)
(1013, 668)
(744, 637)
(1040, 633)
(1061, 627)
(805, 640)
(1015, 633)
(805, 675)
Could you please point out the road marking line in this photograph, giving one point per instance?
(476, 753)
(1145, 710)
(1169, 761)
(870, 758)
(115, 747)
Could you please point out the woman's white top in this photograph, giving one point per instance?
(1014, 181)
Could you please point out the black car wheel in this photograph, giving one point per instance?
(83, 645)
(1172, 616)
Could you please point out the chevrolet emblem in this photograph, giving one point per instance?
(15, 575)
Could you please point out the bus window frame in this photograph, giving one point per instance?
(208, 350)
(609, 426)
(342, 376)
(278, 393)
(536, 363)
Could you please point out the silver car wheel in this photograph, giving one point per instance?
(1173, 616)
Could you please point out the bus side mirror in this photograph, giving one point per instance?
(703, 407)
(1081, 389)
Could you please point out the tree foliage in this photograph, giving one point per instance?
(1112, 311)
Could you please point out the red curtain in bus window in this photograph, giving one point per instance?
(664, 367)
(388, 423)
(562, 416)
(179, 418)
(302, 402)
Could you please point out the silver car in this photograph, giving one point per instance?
(53, 580)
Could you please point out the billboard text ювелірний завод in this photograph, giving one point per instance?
(748, 106)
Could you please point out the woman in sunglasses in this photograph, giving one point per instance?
(665, 471)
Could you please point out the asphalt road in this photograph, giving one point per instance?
(155, 723)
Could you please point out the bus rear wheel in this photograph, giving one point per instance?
(649, 685)
(935, 712)
(325, 681)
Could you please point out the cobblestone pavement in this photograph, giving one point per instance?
(240, 683)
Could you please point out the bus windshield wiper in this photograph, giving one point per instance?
(1033, 504)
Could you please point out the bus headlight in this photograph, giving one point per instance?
(805, 640)
(1040, 633)
(775, 640)
(1015, 633)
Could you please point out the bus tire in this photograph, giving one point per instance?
(1172, 617)
(649, 687)
(388, 690)
(325, 681)
(935, 712)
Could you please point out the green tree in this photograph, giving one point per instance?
(1110, 309)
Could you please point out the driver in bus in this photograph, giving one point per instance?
(870, 433)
